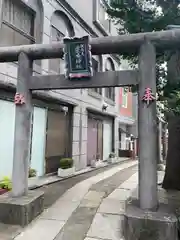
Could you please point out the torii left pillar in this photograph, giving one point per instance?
(22, 136)
(21, 206)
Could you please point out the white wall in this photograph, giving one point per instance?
(7, 122)
(38, 141)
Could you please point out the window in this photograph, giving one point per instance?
(98, 90)
(102, 12)
(110, 92)
(17, 24)
(125, 97)
(56, 65)
(96, 67)
(103, 16)
(61, 27)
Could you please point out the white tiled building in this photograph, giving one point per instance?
(68, 123)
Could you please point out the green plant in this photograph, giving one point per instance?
(66, 163)
(112, 155)
(32, 173)
(6, 183)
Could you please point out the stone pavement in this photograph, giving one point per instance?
(53, 191)
(92, 209)
(37, 182)
(107, 223)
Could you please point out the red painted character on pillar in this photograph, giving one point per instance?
(19, 99)
(148, 96)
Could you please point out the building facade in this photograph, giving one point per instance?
(126, 118)
(68, 123)
(126, 122)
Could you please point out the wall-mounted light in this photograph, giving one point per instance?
(104, 106)
(65, 109)
(131, 137)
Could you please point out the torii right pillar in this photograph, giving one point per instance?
(143, 218)
(147, 127)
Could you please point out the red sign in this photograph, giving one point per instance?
(19, 99)
(148, 96)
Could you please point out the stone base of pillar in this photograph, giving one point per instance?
(140, 224)
(22, 210)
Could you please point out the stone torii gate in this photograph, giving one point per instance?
(143, 44)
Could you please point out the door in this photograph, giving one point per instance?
(92, 140)
(7, 125)
(38, 141)
(57, 139)
(107, 139)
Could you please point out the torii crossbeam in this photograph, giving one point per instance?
(143, 44)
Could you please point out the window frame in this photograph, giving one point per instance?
(101, 4)
(110, 91)
(101, 25)
(104, 6)
(96, 90)
(69, 31)
(56, 59)
(62, 34)
(17, 29)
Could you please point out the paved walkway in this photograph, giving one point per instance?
(54, 191)
(92, 209)
(46, 180)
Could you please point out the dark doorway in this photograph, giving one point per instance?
(57, 139)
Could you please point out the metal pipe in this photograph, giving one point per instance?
(129, 43)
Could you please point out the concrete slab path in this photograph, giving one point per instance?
(92, 209)
(37, 182)
(53, 191)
